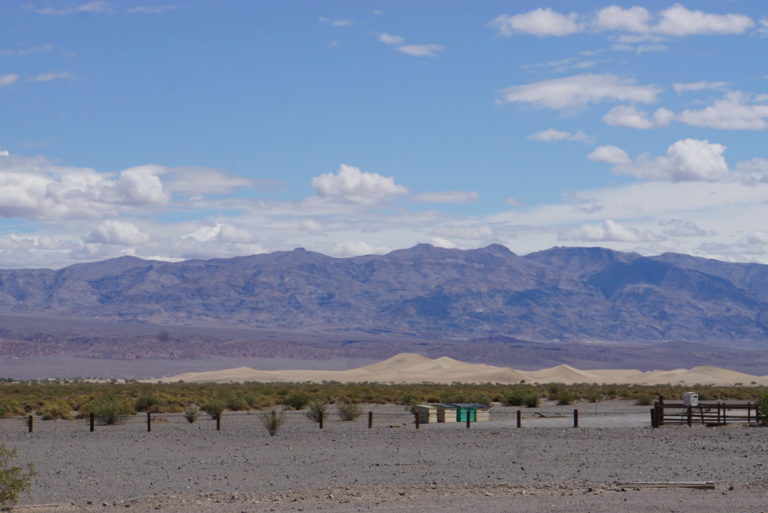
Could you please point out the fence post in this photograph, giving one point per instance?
(469, 418)
(519, 419)
(149, 422)
(575, 418)
(749, 413)
(725, 414)
(660, 413)
(653, 417)
(218, 421)
(690, 415)
(370, 419)
(30, 423)
(416, 419)
(92, 421)
(320, 420)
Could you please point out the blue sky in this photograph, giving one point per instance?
(203, 129)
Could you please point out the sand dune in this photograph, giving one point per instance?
(414, 368)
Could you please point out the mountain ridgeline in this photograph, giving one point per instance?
(558, 295)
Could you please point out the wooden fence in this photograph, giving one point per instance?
(708, 413)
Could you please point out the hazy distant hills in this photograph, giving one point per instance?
(558, 295)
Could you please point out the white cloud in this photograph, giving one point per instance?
(36, 189)
(634, 19)
(310, 226)
(336, 23)
(53, 75)
(683, 228)
(608, 231)
(675, 21)
(117, 232)
(539, 22)
(96, 6)
(732, 112)
(30, 50)
(679, 21)
(208, 231)
(466, 231)
(580, 90)
(629, 116)
(356, 186)
(198, 180)
(390, 39)
(681, 87)
(446, 197)
(610, 155)
(151, 9)
(357, 248)
(753, 172)
(551, 134)
(430, 50)
(686, 160)
(8, 79)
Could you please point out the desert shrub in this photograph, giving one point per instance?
(564, 397)
(14, 480)
(191, 412)
(591, 395)
(762, 408)
(297, 400)
(108, 410)
(643, 399)
(349, 411)
(213, 407)
(553, 390)
(146, 401)
(9, 408)
(410, 401)
(532, 400)
(235, 402)
(315, 409)
(56, 409)
(272, 420)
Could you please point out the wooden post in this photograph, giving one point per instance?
(701, 414)
(218, 421)
(660, 413)
(320, 420)
(575, 418)
(690, 416)
(149, 422)
(30, 423)
(757, 414)
(519, 419)
(725, 415)
(416, 419)
(469, 418)
(653, 417)
(93, 421)
(370, 419)
(749, 413)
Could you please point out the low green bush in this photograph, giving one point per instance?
(316, 408)
(273, 420)
(213, 407)
(14, 479)
(191, 413)
(110, 410)
(297, 400)
(762, 408)
(349, 411)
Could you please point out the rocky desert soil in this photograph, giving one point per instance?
(545, 466)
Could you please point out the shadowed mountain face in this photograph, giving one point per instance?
(562, 294)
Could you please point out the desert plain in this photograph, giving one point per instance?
(547, 465)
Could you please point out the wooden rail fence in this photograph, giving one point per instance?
(708, 413)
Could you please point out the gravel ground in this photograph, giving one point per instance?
(545, 466)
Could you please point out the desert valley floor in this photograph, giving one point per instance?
(547, 465)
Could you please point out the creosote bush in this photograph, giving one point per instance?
(14, 480)
(349, 411)
(213, 407)
(191, 412)
(297, 400)
(762, 409)
(109, 410)
(315, 409)
(272, 420)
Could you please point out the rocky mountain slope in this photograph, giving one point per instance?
(561, 294)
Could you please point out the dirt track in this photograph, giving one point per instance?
(545, 466)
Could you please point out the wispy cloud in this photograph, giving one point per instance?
(53, 75)
(428, 50)
(336, 23)
(31, 50)
(551, 135)
(96, 6)
(8, 79)
(151, 9)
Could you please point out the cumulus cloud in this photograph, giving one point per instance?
(207, 231)
(117, 232)
(686, 160)
(446, 197)
(351, 184)
(539, 22)
(390, 39)
(735, 111)
(608, 231)
(357, 248)
(675, 21)
(8, 79)
(551, 135)
(683, 228)
(753, 172)
(610, 155)
(631, 117)
(465, 231)
(580, 90)
(197, 180)
(36, 189)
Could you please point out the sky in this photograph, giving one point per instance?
(204, 129)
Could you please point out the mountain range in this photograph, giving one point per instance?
(561, 295)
